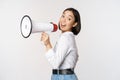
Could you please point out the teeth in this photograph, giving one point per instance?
(63, 24)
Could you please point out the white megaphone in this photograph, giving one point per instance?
(27, 27)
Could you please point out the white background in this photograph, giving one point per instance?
(98, 41)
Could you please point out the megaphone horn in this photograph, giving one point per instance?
(27, 26)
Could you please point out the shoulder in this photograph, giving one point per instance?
(67, 37)
(67, 34)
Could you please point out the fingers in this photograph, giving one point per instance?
(44, 36)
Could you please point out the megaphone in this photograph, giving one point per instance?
(27, 26)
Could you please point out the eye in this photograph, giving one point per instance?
(69, 19)
(62, 16)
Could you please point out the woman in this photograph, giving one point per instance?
(64, 55)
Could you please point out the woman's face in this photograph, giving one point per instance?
(67, 21)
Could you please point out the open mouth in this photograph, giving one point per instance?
(63, 25)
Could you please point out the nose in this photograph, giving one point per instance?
(64, 19)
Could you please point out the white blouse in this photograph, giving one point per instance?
(64, 55)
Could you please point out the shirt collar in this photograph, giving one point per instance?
(68, 32)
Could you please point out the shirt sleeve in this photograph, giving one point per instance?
(56, 57)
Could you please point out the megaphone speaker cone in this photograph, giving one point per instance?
(26, 26)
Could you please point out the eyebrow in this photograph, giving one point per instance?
(71, 16)
(68, 15)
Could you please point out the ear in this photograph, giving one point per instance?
(75, 24)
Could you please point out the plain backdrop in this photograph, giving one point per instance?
(98, 42)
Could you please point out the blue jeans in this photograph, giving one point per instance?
(64, 77)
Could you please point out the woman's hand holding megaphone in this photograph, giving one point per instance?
(46, 40)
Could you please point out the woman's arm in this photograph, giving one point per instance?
(46, 40)
(56, 56)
